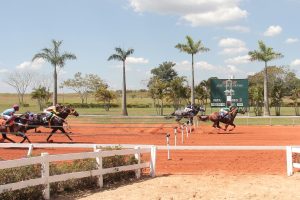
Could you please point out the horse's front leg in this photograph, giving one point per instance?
(233, 127)
(64, 132)
(24, 137)
(52, 132)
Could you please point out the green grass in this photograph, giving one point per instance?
(6, 101)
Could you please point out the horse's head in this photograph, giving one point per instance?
(67, 110)
(234, 109)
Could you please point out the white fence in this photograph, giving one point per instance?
(289, 159)
(45, 159)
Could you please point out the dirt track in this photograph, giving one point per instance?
(187, 162)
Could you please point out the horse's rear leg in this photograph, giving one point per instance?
(4, 137)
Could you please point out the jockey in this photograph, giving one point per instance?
(224, 112)
(189, 108)
(8, 114)
(52, 111)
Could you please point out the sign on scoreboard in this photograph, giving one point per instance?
(233, 90)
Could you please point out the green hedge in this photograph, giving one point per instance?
(34, 171)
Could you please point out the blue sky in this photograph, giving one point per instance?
(92, 29)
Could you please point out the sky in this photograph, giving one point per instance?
(93, 29)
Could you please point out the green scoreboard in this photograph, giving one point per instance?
(229, 91)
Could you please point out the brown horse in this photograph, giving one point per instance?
(17, 126)
(227, 120)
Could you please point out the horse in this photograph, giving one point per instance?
(227, 120)
(180, 114)
(55, 123)
(16, 126)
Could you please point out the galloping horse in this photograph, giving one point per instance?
(17, 126)
(55, 123)
(180, 114)
(227, 120)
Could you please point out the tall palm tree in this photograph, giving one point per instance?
(192, 48)
(56, 59)
(264, 54)
(121, 55)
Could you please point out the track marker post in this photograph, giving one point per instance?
(168, 145)
(187, 131)
(175, 136)
(182, 137)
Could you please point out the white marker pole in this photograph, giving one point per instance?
(168, 145)
(175, 136)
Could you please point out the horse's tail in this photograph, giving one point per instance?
(170, 116)
(203, 117)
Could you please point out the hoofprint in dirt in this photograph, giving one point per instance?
(204, 186)
(185, 162)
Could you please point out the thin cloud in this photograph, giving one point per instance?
(3, 70)
(134, 60)
(186, 66)
(273, 31)
(232, 46)
(195, 13)
(240, 29)
(291, 40)
(238, 60)
(28, 65)
(295, 63)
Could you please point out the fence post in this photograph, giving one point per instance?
(99, 166)
(137, 156)
(168, 145)
(45, 175)
(175, 136)
(182, 137)
(289, 160)
(30, 148)
(153, 161)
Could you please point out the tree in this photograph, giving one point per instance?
(42, 95)
(177, 91)
(20, 81)
(192, 48)
(277, 95)
(165, 71)
(264, 54)
(121, 55)
(157, 90)
(106, 96)
(56, 59)
(256, 98)
(84, 85)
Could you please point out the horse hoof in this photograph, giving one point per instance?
(39, 131)
(50, 141)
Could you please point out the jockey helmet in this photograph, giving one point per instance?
(16, 107)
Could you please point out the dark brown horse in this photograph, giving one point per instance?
(17, 126)
(227, 120)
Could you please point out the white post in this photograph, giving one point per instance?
(153, 161)
(175, 136)
(99, 166)
(187, 131)
(289, 160)
(30, 148)
(45, 175)
(168, 145)
(137, 156)
(182, 137)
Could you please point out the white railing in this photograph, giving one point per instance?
(290, 165)
(45, 159)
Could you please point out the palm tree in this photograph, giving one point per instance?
(56, 59)
(192, 48)
(121, 55)
(264, 54)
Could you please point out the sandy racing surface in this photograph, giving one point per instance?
(194, 174)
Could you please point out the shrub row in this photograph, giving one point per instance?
(34, 171)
